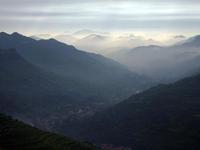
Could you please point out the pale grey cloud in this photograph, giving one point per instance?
(61, 15)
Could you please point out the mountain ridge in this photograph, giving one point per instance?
(66, 60)
(173, 60)
(164, 117)
(46, 82)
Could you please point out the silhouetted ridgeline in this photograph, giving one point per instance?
(166, 117)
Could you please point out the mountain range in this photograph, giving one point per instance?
(103, 43)
(54, 86)
(164, 64)
(44, 82)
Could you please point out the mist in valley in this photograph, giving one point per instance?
(99, 75)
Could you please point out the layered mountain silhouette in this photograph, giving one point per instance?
(19, 136)
(57, 87)
(35, 95)
(44, 82)
(67, 61)
(164, 64)
(165, 117)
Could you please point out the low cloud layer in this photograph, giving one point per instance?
(108, 42)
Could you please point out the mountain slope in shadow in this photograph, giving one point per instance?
(165, 117)
(67, 61)
(38, 96)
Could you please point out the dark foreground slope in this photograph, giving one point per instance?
(15, 135)
(166, 117)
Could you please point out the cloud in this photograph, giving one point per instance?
(88, 1)
(104, 43)
(106, 15)
(68, 39)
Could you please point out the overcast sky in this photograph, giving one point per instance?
(60, 16)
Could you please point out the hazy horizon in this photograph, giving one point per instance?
(103, 25)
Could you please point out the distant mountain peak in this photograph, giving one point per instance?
(16, 33)
(154, 46)
(4, 34)
(197, 37)
(193, 41)
(53, 40)
(96, 36)
(147, 47)
(84, 31)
